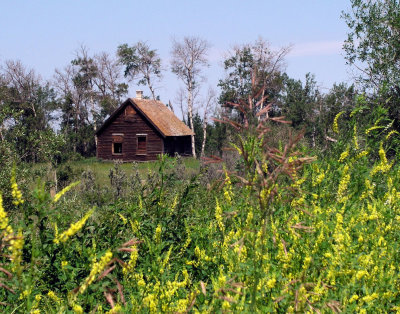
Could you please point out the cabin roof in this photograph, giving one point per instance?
(163, 119)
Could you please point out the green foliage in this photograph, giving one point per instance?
(373, 39)
(250, 63)
(373, 47)
(141, 64)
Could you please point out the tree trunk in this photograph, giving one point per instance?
(190, 112)
(203, 144)
(94, 121)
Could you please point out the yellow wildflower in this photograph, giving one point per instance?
(228, 194)
(271, 283)
(74, 228)
(53, 296)
(370, 298)
(4, 220)
(218, 216)
(65, 190)
(64, 264)
(97, 268)
(77, 309)
(25, 294)
(175, 202)
(361, 273)
(132, 261)
(335, 126)
(344, 155)
(124, 220)
(343, 184)
(353, 298)
(116, 309)
(390, 134)
(362, 154)
(15, 192)
(17, 244)
(157, 234)
(355, 137)
(375, 127)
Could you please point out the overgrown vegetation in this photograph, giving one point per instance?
(282, 233)
(286, 216)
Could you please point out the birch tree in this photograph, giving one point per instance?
(209, 104)
(189, 57)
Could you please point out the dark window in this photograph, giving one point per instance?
(117, 148)
(141, 144)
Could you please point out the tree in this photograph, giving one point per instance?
(252, 67)
(26, 109)
(141, 64)
(302, 105)
(373, 40)
(209, 104)
(90, 88)
(188, 60)
(373, 47)
(110, 86)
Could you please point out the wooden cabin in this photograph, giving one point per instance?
(140, 130)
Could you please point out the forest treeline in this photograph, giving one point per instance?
(56, 119)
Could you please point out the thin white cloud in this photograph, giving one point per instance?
(318, 48)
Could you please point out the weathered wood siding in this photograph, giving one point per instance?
(130, 123)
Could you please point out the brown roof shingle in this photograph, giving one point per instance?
(158, 115)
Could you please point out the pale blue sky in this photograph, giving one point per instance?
(45, 34)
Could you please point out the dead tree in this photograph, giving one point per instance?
(188, 60)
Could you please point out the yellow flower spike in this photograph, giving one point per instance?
(15, 192)
(77, 309)
(271, 283)
(53, 297)
(16, 248)
(391, 133)
(157, 234)
(335, 126)
(175, 202)
(355, 140)
(135, 226)
(124, 220)
(228, 194)
(375, 127)
(64, 190)
(97, 268)
(344, 155)
(382, 154)
(132, 261)
(343, 184)
(3, 217)
(362, 154)
(218, 216)
(116, 309)
(74, 228)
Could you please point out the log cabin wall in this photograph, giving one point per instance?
(129, 128)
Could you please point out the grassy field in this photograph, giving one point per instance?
(101, 169)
